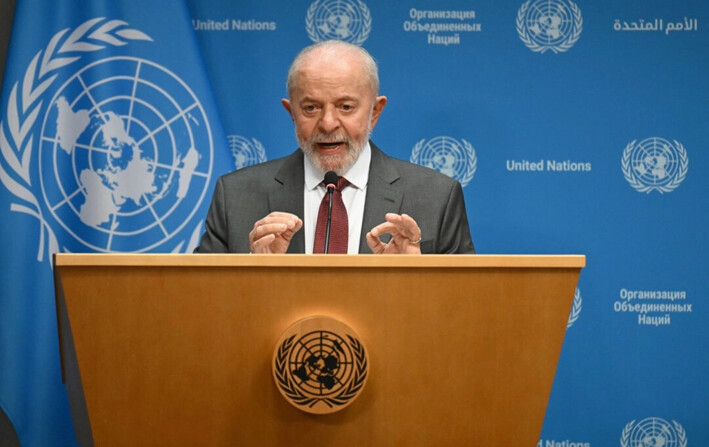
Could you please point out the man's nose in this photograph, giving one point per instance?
(329, 121)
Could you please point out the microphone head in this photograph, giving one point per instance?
(330, 179)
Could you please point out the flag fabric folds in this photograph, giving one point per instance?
(110, 141)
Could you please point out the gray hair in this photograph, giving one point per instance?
(333, 48)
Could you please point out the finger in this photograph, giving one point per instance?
(277, 217)
(374, 243)
(298, 225)
(407, 224)
(281, 214)
(262, 245)
(395, 227)
(268, 229)
(403, 245)
(385, 228)
(292, 229)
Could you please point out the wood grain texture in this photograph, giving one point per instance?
(177, 351)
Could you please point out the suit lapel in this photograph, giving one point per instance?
(288, 194)
(381, 197)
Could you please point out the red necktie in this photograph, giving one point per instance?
(339, 226)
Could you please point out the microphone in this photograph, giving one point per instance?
(330, 184)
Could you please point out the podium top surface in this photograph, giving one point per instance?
(301, 260)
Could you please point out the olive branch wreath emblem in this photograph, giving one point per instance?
(642, 187)
(628, 429)
(361, 37)
(575, 309)
(471, 160)
(25, 103)
(289, 387)
(525, 36)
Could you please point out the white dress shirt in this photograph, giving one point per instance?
(353, 196)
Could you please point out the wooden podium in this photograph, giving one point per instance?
(177, 350)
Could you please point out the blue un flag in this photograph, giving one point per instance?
(110, 142)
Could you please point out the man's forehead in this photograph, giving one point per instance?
(330, 75)
(339, 82)
(344, 63)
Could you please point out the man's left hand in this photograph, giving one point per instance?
(405, 232)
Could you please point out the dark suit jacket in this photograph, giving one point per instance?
(242, 197)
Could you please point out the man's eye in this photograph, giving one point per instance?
(309, 108)
(347, 107)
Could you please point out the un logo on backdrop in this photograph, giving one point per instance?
(653, 432)
(448, 156)
(348, 20)
(124, 150)
(245, 152)
(655, 164)
(549, 25)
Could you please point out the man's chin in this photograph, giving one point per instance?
(337, 163)
(329, 162)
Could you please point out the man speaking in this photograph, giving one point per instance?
(338, 193)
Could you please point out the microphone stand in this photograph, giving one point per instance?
(330, 182)
(330, 191)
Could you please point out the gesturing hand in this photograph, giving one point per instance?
(273, 233)
(405, 232)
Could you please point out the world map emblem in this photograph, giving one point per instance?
(448, 156)
(655, 164)
(246, 152)
(124, 150)
(654, 432)
(348, 20)
(553, 25)
(320, 365)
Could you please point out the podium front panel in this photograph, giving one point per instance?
(177, 350)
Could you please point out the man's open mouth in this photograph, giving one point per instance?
(329, 145)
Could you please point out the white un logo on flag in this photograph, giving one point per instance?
(124, 152)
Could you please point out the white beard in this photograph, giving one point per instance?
(340, 163)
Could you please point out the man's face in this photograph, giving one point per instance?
(334, 110)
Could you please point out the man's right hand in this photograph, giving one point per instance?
(273, 233)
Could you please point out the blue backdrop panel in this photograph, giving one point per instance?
(574, 127)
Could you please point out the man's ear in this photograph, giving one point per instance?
(379, 103)
(287, 106)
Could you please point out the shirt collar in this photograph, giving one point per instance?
(357, 175)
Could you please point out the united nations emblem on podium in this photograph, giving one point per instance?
(320, 365)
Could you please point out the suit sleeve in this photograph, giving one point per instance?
(454, 232)
(214, 239)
